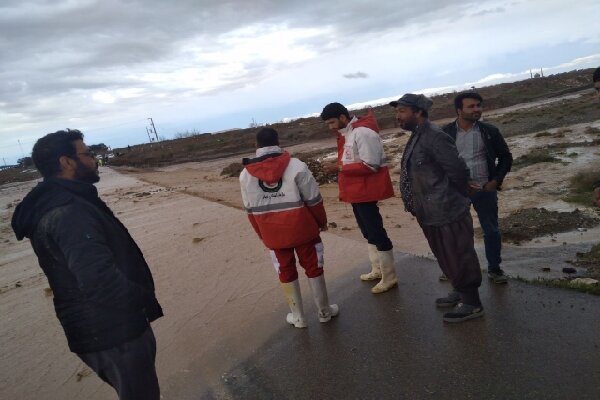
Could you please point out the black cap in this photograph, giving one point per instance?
(413, 100)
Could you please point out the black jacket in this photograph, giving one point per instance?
(103, 288)
(439, 177)
(495, 147)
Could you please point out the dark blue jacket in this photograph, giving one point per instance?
(103, 288)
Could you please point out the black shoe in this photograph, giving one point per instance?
(464, 312)
(451, 300)
(497, 276)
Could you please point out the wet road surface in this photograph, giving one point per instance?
(533, 343)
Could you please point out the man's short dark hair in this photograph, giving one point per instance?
(334, 110)
(48, 150)
(596, 76)
(458, 100)
(267, 137)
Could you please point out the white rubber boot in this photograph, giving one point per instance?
(293, 295)
(375, 268)
(319, 291)
(388, 272)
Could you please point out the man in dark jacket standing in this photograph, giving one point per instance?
(103, 289)
(489, 160)
(433, 185)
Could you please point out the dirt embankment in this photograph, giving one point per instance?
(17, 174)
(530, 223)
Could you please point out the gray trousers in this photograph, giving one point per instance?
(452, 245)
(128, 367)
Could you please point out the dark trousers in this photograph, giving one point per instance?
(371, 225)
(452, 244)
(486, 206)
(128, 367)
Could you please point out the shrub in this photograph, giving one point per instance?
(232, 170)
(581, 186)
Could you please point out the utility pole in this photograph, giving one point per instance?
(148, 132)
(153, 128)
(22, 154)
(542, 71)
(530, 74)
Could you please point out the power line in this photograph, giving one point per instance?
(22, 154)
(154, 128)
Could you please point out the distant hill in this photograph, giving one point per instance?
(211, 146)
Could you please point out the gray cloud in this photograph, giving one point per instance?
(356, 75)
(496, 10)
(54, 49)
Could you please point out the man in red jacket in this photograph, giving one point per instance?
(286, 210)
(363, 180)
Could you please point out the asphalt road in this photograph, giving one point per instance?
(533, 343)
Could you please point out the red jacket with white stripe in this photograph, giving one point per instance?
(282, 199)
(363, 177)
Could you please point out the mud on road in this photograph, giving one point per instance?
(530, 223)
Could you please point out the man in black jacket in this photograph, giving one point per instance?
(103, 289)
(489, 160)
(433, 185)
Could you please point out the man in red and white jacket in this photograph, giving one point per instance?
(286, 210)
(364, 180)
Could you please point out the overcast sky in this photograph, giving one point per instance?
(105, 66)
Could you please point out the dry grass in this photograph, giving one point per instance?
(536, 156)
(555, 115)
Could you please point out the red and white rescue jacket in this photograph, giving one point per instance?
(363, 176)
(282, 199)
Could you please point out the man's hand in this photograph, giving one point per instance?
(473, 188)
(490, 186)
